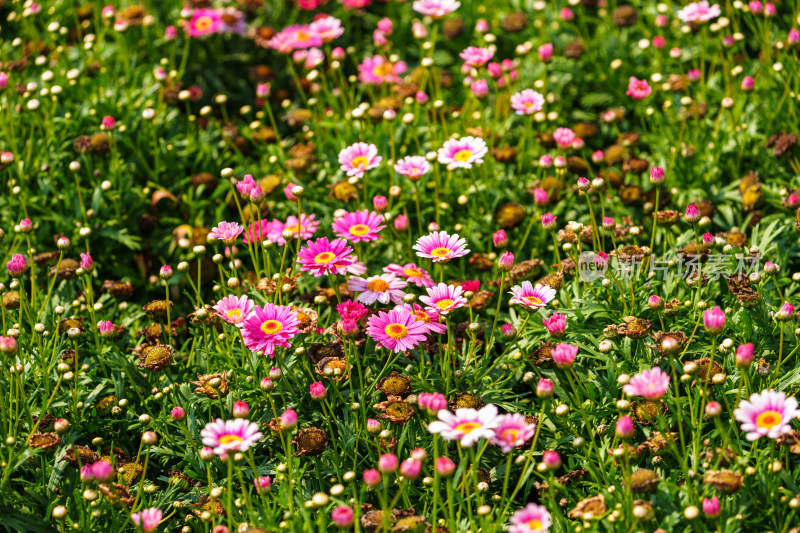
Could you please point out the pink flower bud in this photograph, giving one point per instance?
(540, 197)
(86, 262)
(714, 320)
(410, 468)
(263, 483)
(506, 262)
(401, 223)
(508, 331)
(656, 175)
(555, 325)
(108, 123)
(544, 388)
(692, 213)
(552, 459)
(655, 302)
(178, 413)
(564, 355)
(165, 272)
(445, 466)
(548, 221)
(372, 477)
(342, 516)
(317, 390)
(711, 507)
(744, 355)
(241, 409)
(380, 203)
(289, 419)
(713, 409)
(373, 426)
(387, 463)
(624, 428)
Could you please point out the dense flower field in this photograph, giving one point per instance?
(385, 265)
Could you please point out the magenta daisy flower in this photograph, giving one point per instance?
(467, 426)
(327, 28)
(268, 327)
(527, 102)
(322, 257)
(413, 167)
(699, 12)
(435, 8)
(357, 158)
(304, 228)
(377, 70)
(463, 152)
(411, 273)
(530, 296)
(766, 414)
(147, 519)
(384, 288)
(359, 226)
(236, 435)
(203, 22)
(441, 247)
(258, 232)
(638, 89)
(532, 519)
(226, 232)
(444, 298)
(296, 37)
(651, 384)
(396, 330)
(512, 430)
(429, 317)
(234, 310)
(475, 56)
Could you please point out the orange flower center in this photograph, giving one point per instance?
(230, 439)
(324, 257)
(534, 524)
(302, 35)
(271, 327)
(463, 155)
(412, 272)
(384, 69)
(203, 23)
(378, 285)
(510, 435)
(468, 427)
(396, 331)
(359, 230)
(533, 300)
(422, 316)
(440, 252)
(769, 419)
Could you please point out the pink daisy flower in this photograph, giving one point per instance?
(435, 8)
(322, 257)
(475, 56)
(699, 12)
(651, 384)
(530, 296)
(268, 327)
(429, 317)
(396, 330)
(527, 102)
(467, 426)
(463, 152)
(296, 37)
(304, 228)
(766, 414)
(236, 435)
(638, 89)
(234, 310)
(327, 28)
(444, 298)
(203, 22)
(377, 70)
(384, 288)
(147, 519)
(226, 232)
(512, 430)
(411, 273)
(256, 232)
(532, 519)
(440, 247)
(357, 158)
(413, 167)
(359, 226)
(564, 137)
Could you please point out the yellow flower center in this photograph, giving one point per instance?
(440, 252)
(534, 524)
(359, 161)
(359, 229)
(271, 327)
(229, 439)
(378, 285)
(203, 23)
(324, 257)
(468, 427)
(234, 314)
(533, 300)
(510, 435)
(412, 272)
(396, 331)
(384, 69)
(294, 228)
(463, 155)
(444, 303)
(769, 419)
(302, 36)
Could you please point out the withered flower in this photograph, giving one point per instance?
(463, 399)
(212, 385)
(156, 357)
(594, 507)
(45, 441)
(310, 442)
(634, 328)
(725, 481)
(331, 350)
(116, 493)
(395, 385)
(396, 411)
(117, 289)
(644, 481)
(157, 309)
